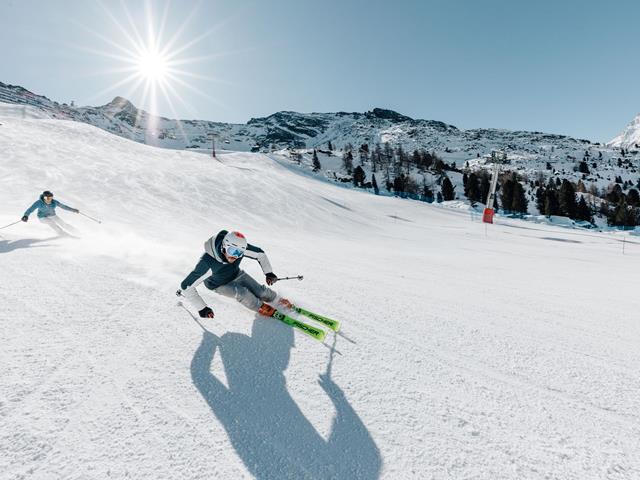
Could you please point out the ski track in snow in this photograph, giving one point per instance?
(485, 353)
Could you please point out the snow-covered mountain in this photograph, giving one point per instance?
(629, 137)
(502, 353)
(310, 130)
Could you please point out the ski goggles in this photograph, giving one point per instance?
(235, 252)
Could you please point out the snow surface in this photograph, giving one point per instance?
(488, 352)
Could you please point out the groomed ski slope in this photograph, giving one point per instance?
(507, 352)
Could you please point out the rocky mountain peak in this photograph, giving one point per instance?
(389, 115)
(629, 137)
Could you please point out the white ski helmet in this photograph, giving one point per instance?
(234, 244)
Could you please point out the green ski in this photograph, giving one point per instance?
(310, 330)
(328, 322)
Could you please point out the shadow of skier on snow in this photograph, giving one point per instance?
(10, 245)
(265, 425)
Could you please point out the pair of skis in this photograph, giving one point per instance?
(306, 328)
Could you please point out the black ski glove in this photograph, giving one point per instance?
(271, 278)
(206, 312)
(24, 219)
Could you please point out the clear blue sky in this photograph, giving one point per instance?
(567, 67)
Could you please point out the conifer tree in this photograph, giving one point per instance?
(485, 186)
(399, 183)
(540, 198)
(364, 154)
(472, 190)
(316, 162)
(358, 176)
(567, 199)
(506, 191)
(347, 162)
(387, 160)
(376, 158)
(427, 161)
(427, 192)
(519, 203)
(633, 198)
(374, 183)
(402, 158)
(623, 216)
(614, 195)
(512, 195)
(583, 212)
(448, 190)
(583, 167)
(551, 203)
(416, 159)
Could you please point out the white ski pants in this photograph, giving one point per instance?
(57, 225)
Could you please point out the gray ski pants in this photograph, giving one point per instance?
(247, 291)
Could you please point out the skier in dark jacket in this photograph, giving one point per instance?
(223, 254)
(46, 207)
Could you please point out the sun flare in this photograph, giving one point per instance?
(152, 66)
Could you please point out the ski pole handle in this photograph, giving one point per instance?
(94, 219)
(14, 223)
(299, 277)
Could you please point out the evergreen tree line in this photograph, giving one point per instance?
(396, 160)
(391, 162)
(394, 166)
(560, 198)
(621, 210)
(512, 194)
(476, 186)
(556, 197)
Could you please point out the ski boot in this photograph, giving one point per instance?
(266, 310)
(284, 303)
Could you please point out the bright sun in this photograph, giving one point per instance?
(153, 66)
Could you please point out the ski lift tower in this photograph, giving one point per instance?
(497, 158)
(212, 136)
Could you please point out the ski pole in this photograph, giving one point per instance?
(94, 219)
(299, 277)
(10, 224)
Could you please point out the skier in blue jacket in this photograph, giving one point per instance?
(46, 207)
(222, 257)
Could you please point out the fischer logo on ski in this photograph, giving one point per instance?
(326, 321)
(310, 330)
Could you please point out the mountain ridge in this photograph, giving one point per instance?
(281, 129)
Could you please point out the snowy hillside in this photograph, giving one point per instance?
(607, 173)
(506, 352)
